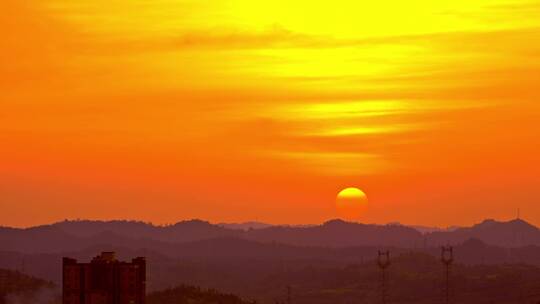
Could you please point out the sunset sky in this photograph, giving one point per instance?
(236, 110)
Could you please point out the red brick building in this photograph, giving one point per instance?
(104, 280)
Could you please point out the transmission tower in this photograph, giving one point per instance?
(447, 258)
(383, 261)
(289, 298)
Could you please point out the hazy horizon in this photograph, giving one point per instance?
(246, 222)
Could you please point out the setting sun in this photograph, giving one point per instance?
(351, 203)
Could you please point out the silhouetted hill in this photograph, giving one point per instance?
(184, 294)
(429, 229)
(19, 288)
(514, 233)
(426, 229)
(245, 225)
(183, 231)
(338, 233)
(77, 235)
(37, 239)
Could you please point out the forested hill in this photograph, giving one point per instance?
(19, 288)
(184, 294)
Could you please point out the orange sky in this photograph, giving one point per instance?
(234, 110)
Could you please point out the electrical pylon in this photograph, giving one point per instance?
(383, 261)
(447, 258)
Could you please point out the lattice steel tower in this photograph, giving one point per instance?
(447, 258)
(289, 297)
(383, 261)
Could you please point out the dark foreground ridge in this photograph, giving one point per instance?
(185, 294)
(410, 278)
(19, 288)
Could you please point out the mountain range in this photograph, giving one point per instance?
(77, 235)
(322, 262)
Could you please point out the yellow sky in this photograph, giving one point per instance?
(241, 110)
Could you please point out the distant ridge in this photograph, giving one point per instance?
(245, 225)
(429, 229)
(183, 231)
(75, 235)
(339, 233)
(513, 233)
